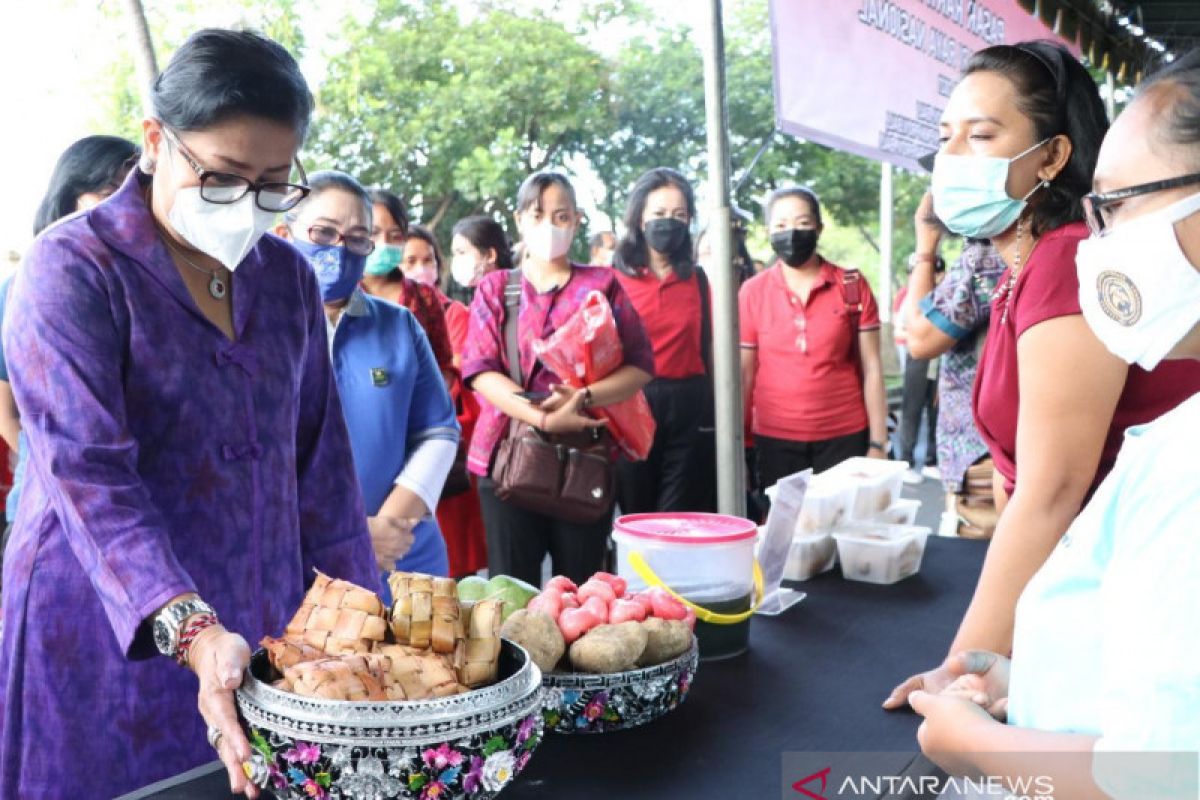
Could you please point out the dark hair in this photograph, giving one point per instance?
(596, 240)
(217, 74)
(394, 205)
(633, 254)
(484, 233)
(426, 235)
(530, 194)
(92, 164)
(328, 179)
(803, 192)
(1181, 107)
(1058, 95)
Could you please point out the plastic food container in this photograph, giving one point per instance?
(810, 556)
(880, 553)
(901, 512)
(706, 559)
(873, 483)
(826, 504)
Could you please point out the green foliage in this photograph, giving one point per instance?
(451, 105)
(453, 113)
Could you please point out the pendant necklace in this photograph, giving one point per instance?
(1004, 291)
(217, 287)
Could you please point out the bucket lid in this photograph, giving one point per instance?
(686, 528)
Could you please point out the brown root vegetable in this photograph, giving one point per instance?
(609, 648)
(539, 634)
(665, 640)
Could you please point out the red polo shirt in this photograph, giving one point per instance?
(1047, 288)
(807, 387)
(670, 312)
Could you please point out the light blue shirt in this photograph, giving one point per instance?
(1107, 637)
(394, 398)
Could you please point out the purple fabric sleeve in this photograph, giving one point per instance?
(65, 357)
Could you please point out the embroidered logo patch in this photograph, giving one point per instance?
(380, 377)
(1119, 298)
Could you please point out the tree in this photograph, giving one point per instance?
(658, 97)
(143, 50)
(123, 86)
(453, 113)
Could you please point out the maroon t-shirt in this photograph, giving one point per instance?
(1048, 287)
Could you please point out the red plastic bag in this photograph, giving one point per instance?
(588, 348)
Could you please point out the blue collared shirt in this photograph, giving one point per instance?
(394, 399)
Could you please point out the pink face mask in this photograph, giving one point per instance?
(426, 274)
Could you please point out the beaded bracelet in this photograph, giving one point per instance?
(196, 624)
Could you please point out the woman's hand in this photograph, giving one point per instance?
(877, 452)
(933, 682)
(560, 395)
(928, 227)
(569, 417)
(983, 679)
(953, 728)
(219, 658)
(392, 538)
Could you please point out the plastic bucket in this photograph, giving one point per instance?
(706, 560)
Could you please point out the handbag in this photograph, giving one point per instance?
(570, 477)
(975, 505)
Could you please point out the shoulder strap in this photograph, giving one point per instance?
(705, 321)
(852, 297)
(512, 314)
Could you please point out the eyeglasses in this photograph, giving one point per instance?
(225, 188)
(1098, 207)
(358, 243)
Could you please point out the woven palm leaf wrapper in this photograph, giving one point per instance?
(426, 612)
(337, 646)
(478, 656)
(338, 617)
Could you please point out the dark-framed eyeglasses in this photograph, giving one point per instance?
(361, 244)
(225, 188)
(1098, 207)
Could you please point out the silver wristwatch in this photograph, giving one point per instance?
(169, 621)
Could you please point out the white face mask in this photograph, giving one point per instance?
(1138, 291)
(465, 271)
(546, 241)
(424, 274)
(227, 232)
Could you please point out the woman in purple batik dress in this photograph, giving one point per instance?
(188, 458)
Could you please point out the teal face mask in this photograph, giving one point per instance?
(384, 259)
(969, 194)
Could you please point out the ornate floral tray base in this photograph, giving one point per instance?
(577, 702)
(468, 746)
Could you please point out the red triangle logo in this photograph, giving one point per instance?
(800, 785)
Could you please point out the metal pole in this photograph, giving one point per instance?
(886, 203)
(1110, 102)
(727, 368)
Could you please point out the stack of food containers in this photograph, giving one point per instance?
(853, 513)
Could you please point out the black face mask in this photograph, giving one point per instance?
(795, 246)
(665, 235)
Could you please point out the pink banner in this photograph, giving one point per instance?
(872, 76)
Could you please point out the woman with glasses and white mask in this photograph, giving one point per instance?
(1105, 669)
(1020, 134)
(190, 466)
(402, 425)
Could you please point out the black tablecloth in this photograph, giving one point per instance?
(812, 681)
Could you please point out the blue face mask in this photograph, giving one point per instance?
(338, 270)
(969, 194)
